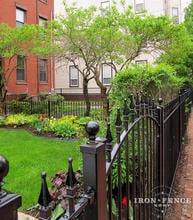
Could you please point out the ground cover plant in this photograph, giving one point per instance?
(64, 127)
(29, 155)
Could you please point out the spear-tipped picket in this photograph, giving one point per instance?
(118, 125)
(71, 179)
(71, 188)
(44, 197)
(108, 144)
(44, 200)
(132, 106)
(137, 104)
(125, 114)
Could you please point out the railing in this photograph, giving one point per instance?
(55, 108)
(132, 178)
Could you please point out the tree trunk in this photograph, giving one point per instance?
(3, 94)
(104, 95)
(86, 96)
(105, 101)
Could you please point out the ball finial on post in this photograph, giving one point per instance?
(92, 128)
(4, 169)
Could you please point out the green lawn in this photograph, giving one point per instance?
(29, 155)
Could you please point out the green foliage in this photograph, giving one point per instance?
(18, 119)
(65, 130)
(19, 107)
(53, 97)
(189, 18)
(83, 120)
(2, 120)
(57, 212)
(156, 81)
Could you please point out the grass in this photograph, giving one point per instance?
(29, 155)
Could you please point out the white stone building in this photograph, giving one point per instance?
(69, 81)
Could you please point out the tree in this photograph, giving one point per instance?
(179, 53)
(17, 41)
(112, 36)
(189, 18)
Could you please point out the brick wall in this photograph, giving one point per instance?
(33, 10)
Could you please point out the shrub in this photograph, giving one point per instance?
(18, 119)
(41, 123)
(65, 130)
(19, 106)
(156, 81)
(2, 121)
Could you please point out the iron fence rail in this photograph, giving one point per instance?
(55, 109)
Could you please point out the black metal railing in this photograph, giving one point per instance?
(55, 109)
(130, 177)
(133, 178)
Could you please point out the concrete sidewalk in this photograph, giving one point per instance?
(22, 216)
(183, 183)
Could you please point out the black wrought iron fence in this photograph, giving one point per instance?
(55, 108)
(132, 178)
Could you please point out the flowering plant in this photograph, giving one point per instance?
(58, 190)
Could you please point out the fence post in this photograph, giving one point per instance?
(94, 173)
(9, 202)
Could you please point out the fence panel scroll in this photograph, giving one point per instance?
(131, 176)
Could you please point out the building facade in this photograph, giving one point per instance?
(32, 76)
(69, 80)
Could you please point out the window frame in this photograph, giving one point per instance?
(141, 62)
(176, 18)
(103, 74)
(42, 19)
(70, 76)
(21, 70)
(105, 6)
(139, 7)
(43, 1)
(20, 22)
(43, 74)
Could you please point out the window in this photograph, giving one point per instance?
(42, 22)
(73, 76)
(20, 17)
(105, 5)
(139, 6)
(175, 15)
(44, 1)
(20, 70)
(106, 74)
(141, 62)
(43, 70)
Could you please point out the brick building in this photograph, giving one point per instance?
(33, 75)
